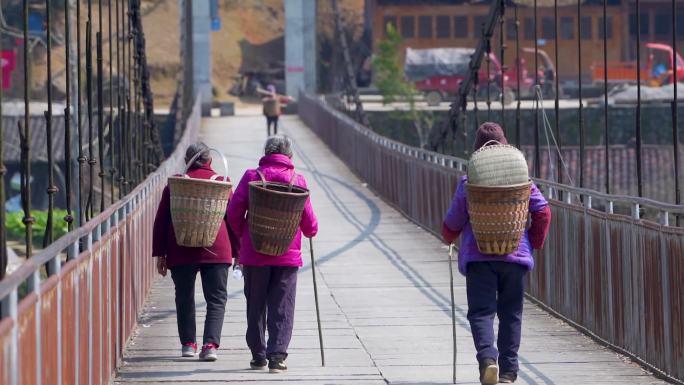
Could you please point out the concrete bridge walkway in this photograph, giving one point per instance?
(384, 291)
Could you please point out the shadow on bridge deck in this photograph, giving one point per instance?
(384, 298)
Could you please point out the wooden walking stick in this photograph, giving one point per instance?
(318, 314)
(453, 308)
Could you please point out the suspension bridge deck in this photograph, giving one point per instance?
(384, 292)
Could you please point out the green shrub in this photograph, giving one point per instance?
(16, 229)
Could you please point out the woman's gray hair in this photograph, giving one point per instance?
(278, 144)
(193, 150)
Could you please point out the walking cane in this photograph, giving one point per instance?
(453, 308)
(318, 314)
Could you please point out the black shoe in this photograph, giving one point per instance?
(508, 377)
(276, 364)
(258, 364)
(489, 372)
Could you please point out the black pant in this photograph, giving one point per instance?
(270, 292)
(214, 282)
(496, 288)
(272, 120)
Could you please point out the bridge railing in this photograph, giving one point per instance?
(612, 265)
(72, 326)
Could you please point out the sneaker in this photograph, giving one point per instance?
(489, 372)
(258, 364)
(276, 364)
(208, 352)
(189, 349)
(508, 377)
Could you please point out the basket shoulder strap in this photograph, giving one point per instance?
(292, 181)
(263, 178)
(487, 144)
(214, 177)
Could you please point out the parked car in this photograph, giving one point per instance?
(438, 72)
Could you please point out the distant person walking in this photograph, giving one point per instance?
(270, 281)
(495, 284)
(184, 262)
(272, 103)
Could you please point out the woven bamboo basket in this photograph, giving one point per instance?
(275, 211)
(198, 207)
(498, 191)
(497, 165)
(498, 216)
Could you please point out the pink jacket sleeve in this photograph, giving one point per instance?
(309, 222)
(237, 207)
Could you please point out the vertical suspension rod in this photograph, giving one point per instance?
(79, 119)
(502, 46)
(52, 189)
(89, 96)
(112, 167)
(638, 111)
(537, 152)
(606, 140)
(69, 219)
(556, 101)
(25, 138)
(100, 108)
(675, 110)
(3, 171)
(119, 104)
(488, 64)
(518, 68)
(582, 134)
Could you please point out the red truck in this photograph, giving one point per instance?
(438, 73)
(657, 68)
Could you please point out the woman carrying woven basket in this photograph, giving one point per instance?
(495, 284)
(184, 262)
(270, 280)
(272, 103)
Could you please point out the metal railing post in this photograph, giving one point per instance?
(10, 310)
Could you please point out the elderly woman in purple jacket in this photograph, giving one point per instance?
(270, 281)
(495, 284)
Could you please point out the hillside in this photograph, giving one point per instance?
(251, 37)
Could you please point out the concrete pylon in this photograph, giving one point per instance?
(201, 52)
(199, 48)
(300, 46)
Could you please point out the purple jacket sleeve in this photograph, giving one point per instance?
(537, 200)
(237, 208)
(162, 221)
(457, 216)
(309, 222)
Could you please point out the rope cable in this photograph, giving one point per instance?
(547, 131)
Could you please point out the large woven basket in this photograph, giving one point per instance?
(275, 211)
(497, 165)
(498, 216)
(198, 206)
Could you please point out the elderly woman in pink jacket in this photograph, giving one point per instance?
(270, 281)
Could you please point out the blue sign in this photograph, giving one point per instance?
(216, 24)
